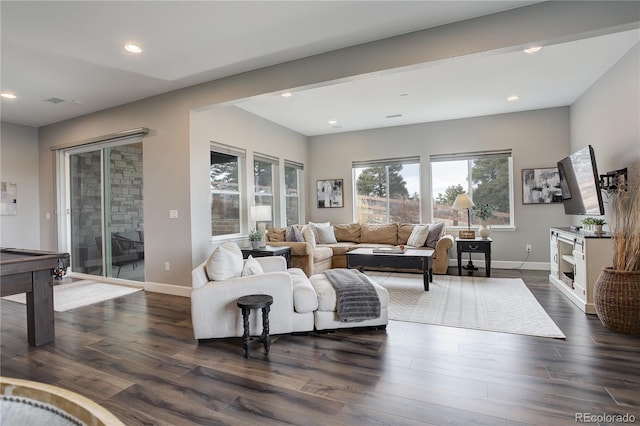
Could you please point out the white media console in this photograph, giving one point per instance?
(577, 257)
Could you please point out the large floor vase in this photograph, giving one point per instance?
(617, 300)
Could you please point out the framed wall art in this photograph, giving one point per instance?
(541, 186)
(329, 193)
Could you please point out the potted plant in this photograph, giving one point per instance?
(593, 224)
(484, 212)
(255, 237)
(617, 289)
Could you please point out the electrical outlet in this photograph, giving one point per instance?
(529, 248)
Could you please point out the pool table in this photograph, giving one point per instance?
(31, 272)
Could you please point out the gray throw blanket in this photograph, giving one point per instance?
(357, 299)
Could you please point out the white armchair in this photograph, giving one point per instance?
(214, 312)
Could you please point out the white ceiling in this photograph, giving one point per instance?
(73, 51)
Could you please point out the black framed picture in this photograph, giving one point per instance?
(541, 186)
(329, 193)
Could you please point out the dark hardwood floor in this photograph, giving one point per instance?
(137, 357)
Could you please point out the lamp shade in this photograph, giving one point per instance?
(260, 213)
(463, 201)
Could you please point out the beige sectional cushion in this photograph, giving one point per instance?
(380, 234)
(276, 234)
(309, 236)
(347, 232)
(404, 231)
(341, 248)
(322, 253)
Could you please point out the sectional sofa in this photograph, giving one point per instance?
(314, 248)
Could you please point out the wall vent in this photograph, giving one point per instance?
(394, 116)
(54, 100)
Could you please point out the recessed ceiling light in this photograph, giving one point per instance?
(286, 94)
(8, 95)
(332, 122)
(513, 98)
(132, 48)
(532, 50)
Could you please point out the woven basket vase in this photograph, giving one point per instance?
(617, 300)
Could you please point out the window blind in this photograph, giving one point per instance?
(471, 155)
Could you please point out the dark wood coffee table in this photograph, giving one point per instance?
(411, 259)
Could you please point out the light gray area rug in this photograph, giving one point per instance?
(80, 293)
(493, 304)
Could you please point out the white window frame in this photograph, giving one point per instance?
(241, 155)
(471, 156)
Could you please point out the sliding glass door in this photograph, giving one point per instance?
(105, 229)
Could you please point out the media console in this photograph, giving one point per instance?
(577, 257)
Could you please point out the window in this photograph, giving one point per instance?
(225, 183)
(292, 185)
(486, 176)
(387, 191)
(264, 182)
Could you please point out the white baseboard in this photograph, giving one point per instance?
(505, 264)
(171, 289)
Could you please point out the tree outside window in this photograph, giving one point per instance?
(387, 192)
(487, 179)
(225, 194)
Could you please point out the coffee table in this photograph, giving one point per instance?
(412, 259)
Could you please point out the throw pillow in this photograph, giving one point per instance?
(435, 232)
(225, 262)
(298, 235)
(308, 235)
(251, 267)
(326, 235)
(418, 236)
(314, 227)
(276, 235)
(290, 235)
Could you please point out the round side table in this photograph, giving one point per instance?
(247, 303)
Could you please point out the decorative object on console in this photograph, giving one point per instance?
(255, 237)
(260, 215)
(329, 193)
(617, 289)
(463, 201)
(484, 212)
(593, 224)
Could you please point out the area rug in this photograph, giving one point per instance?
(493, 304)
(80, 293)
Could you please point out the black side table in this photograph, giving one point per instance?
(477, 245)
(284, 251)
(247, 303)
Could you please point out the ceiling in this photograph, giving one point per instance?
(73, 52)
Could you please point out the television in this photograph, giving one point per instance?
(580, 184)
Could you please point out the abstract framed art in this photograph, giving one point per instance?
(541, 186)
(329, 193)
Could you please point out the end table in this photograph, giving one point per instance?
(475, 245)
(284, 251)
(247, 303)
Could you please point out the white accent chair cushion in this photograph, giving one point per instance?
(225, 262)
(251, 267)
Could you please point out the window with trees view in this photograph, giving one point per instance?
(224, 179)
(387, 191)
(485, 176)
(264, 184)
(292, 183)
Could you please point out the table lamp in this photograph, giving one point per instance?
(463, 201)
(260, 215)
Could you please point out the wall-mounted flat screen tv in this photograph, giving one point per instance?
(580, 184)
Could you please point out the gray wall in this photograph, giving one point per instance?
(171, 183)
(538, 139)
(606, 117)
(19, 164)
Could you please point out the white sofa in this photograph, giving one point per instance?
(214, 312)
